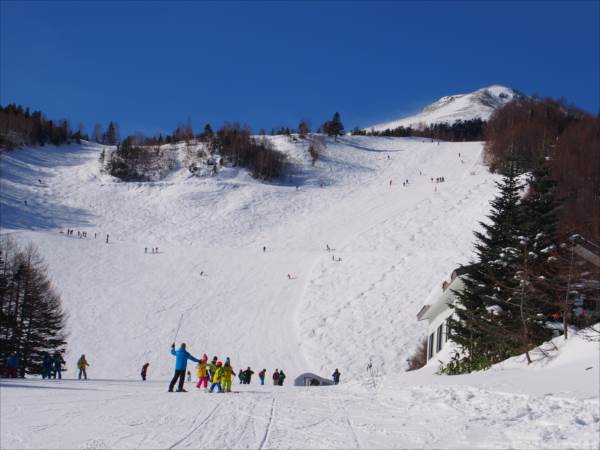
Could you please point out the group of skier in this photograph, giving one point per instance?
(52, 366)
(216, 373)
(81, 234)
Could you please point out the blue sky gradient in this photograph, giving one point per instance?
(152, 65)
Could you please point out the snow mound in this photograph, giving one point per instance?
(479, 104)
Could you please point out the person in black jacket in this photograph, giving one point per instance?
(144, 371)
(248, 375)
(336, 376)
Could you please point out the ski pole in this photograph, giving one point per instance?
(178, 327)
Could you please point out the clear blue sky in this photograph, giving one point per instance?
(151, 65)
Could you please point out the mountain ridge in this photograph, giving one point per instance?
(451, 108)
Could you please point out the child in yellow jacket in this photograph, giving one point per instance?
(202, 372)
(217, 377)
(227, 375)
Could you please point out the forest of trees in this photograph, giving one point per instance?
(526, 132)
(32, 321)
(19, 127)
(138, 158)
(459, 131)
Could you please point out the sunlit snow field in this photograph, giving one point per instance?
(395, 243)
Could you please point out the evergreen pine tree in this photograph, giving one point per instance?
(479, 328)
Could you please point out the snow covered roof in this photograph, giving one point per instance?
(442, 295)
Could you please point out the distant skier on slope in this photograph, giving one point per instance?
(241, 376)
(248, 375)
(261, 376)
(281, 377)
(276, 377)
(46, 366)
(336, 377)
(107, 238)
(57, 362)
(181, 359)
(81, 365)
(144, 371)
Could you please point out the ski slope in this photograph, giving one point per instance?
(545, 406)
(395, 242)
(479, 104)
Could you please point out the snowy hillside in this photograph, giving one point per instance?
(391, 244)
(479, 104)
(395, 242)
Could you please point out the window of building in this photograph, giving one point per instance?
(439, 341)
(430, 347)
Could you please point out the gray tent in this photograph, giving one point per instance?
(310, 379)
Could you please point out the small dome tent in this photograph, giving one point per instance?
(310, 379)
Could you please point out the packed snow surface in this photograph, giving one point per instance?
(294, 306)
(474, 105)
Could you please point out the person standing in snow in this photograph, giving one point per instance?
(217, 378)
(57, 362)
(81, 365)
(202, 372)
(276, 377)
(181, 359)
(227, 376)
(248, 375)
(261, 376)
(46, 366)
(241, 376)
(212, 368)
(12, 362)
(107, 238)
(336, 377)
(281, 377)
(144, 371)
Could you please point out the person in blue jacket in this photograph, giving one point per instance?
(181, 359)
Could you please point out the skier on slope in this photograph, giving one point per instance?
(212, 368)
(81, 365)
(336, 377)
(261, 376)
(217, 377)
(144, 371)
(57, 362)
(46, 366)
(181, 359)
(202, 372)
(248, 375)
(281, 377)
(241, 376)
(227, 375)
(276, 377)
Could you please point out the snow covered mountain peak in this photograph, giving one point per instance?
(478, 104)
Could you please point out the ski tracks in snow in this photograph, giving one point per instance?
(267, 435)
(196, 427)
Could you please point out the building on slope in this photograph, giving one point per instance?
(437, 310)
